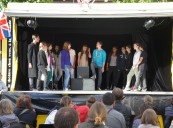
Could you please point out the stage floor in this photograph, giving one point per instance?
(79, 92)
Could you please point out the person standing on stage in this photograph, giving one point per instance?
(32, 61)
(134, 68)
(73, 61)
(83, 56)
(65, 63)
(42, 66)
(98, 61)
(57, 66)
(50, 63)
(121, 62)
(141, 75)
(111, 67)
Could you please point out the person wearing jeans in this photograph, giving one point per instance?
(66, 64)
(98, 61)
(42, 66)
(141, 76)
(134, 69)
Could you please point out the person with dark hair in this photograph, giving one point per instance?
(122, 108)
(83, 56)
(98, 61)
(149, 119)
(24, 111)
(32, 61)
(57, 65)
(49, 57)
(142, 67)
(134, 69)
(97, 117)
(111, 67)
(65, 63)
(7, 117)
(121, 61)
(90, 101)
(169, 115)
(66, 118)
(115, 118)
(42, 66)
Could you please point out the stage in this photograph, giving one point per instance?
(44, 101)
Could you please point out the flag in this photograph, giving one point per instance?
(5, 31)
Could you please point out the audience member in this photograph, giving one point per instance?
(66, 118)
(169, 115)
(3, 87)
(24, 111)
(142, 108)
(122, 108)
(97, 117)
(115, 118)
(7, 117)
(149, 119)
(72, 53)
(91, 100)
(64, 102)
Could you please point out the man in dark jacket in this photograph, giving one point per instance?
(32, 61)
(122, 108)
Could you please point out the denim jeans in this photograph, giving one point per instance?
(42, 70)
(133, 71)
(72, 73)
(67, 76)
(141, 77)
(32, 83)
(93, 66)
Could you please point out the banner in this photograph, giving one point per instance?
(9, 56)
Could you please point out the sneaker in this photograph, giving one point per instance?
(135, 90)
(127, 89)
(66, 89)
(99, 89)
(144, 90)
(93, 77)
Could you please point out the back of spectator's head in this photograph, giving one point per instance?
(66, 118)
(118, 93)
(126, 102)
(24, 101)
(66, 101)
(149, 117)
(6, 107)
(108, 99)
(91, 100)
(97, 113)
(148, 98)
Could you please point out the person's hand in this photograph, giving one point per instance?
(107, 68)
(73, 67)
(30, 65)
(89, 50)
(136, 66)
(103, 69)
(126, 69)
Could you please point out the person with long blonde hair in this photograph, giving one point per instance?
(65, 63)
(97, 117)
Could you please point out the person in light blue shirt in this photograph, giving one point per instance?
(98, 61)
(3, 87)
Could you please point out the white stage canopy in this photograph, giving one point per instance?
(98, 10)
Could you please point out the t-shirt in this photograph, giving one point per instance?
(136, 57)
(99, 57)
(144, 56)
(72, 55)
(113, 61)
(50, 118)
(3, 87)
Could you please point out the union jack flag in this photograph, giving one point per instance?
(5, 31)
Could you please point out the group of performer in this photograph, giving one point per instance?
(48, 64)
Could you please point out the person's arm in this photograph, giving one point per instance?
(30, 52)
(93, 56)
(74, 63)
(79, 58)
(62, 60)
(140, 61)
(4, 87)
(104, 60)
(89, 53)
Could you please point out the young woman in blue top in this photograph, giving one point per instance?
(98, 61)
(65, 63)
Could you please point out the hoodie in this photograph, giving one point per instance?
(6, 120)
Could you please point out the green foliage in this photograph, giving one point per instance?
(140, 1)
